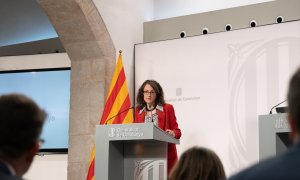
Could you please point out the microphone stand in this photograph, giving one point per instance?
(276, 106)
(117, 114)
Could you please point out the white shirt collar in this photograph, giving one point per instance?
(158, 107)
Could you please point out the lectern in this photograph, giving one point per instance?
(273, 135)
(135, 151)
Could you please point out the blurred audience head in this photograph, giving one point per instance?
(294, 106)
(198, 163)
(21, 122)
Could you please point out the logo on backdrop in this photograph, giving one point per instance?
(180, 98)
(250, 66)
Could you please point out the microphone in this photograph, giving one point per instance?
(118, 114)
(276, 106)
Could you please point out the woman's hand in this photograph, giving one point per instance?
(170, 132)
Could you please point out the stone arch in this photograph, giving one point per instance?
(90, 48)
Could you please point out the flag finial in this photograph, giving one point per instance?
(120, 51)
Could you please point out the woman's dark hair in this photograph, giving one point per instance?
(158, 90)
(198, 163)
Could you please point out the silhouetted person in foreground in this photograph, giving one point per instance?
(198, 163)
(21, 122)
(286, 165)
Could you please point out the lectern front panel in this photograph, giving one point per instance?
(145, 160)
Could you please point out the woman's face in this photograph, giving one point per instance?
(149, 95)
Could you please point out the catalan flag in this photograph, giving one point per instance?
(117, 108)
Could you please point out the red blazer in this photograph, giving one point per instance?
(166, 120)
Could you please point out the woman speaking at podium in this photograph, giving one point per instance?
(151, 108)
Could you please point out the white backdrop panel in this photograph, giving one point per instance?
(220, 83)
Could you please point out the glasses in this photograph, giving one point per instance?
(149, 93)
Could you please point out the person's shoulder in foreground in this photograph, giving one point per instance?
(284, 166)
